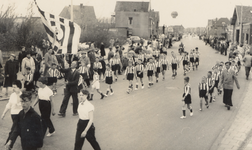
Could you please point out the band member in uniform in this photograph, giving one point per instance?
(98, 66)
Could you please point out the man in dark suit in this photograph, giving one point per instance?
(72, 79)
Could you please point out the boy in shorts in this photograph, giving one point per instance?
(203, 89)
(186, 98)
(129, 73)
(96, 85)
(139, 73)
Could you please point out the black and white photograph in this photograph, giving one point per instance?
(125, 74)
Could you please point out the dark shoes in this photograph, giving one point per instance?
(62, 115)
(75, 114)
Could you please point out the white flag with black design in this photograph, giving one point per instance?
(63, 33)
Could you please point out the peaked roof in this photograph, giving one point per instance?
(132, 6)
(82, 14)
(242, 14)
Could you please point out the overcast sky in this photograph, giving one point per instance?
(191, 13)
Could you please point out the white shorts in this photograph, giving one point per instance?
(96, 85)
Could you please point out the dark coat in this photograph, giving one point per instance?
(102, 48)
(72, 78)
(29, 128)
(21, 56)
(10, 69)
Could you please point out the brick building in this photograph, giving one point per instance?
(242, 24)
(136, 18)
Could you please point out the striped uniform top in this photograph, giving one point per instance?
(216, 76)
(53, 72)
(150, 66)
(191, 55)
(109, 73)
(155, 53)
(141, 56)
(210, 82)
(174, 60)
(97, 65)
(130, 70)
(111, 62)
(196, 54)
(164, 61)
(117, 61)
(187, 89)
(83, 69)
(203, 86)
(29, 77)
(185, 58)
(140, 67)
(158, 63)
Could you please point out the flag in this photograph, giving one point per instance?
(61, 32)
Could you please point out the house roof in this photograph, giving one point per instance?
(242, 14)
(132, 6)
(83, 15)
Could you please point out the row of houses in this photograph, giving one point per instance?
(237, 29)
(129, 18)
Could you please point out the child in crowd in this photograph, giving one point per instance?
(103, 68)
(28, 84)
(109, 76)
(98, 66)
(150, 70)
(158, 65)
(210, 83)
(186, 98)
(234, 67)
(84, 72)
(96, 85)
(165, 64)
(220, 73)
(196, 56)
(129, 73)
(203, 92)
(192, 61)
(139, 73)
(185, 62)
(117, 65)
(174, 63)
(53, 76)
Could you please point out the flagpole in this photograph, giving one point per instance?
(72, 10)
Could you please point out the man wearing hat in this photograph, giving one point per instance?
(227, 80)
(11, 70)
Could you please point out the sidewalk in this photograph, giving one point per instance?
(239, 135)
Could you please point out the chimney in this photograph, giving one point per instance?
(81, 5)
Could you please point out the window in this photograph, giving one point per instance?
(130, 20)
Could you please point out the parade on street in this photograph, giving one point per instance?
(71, 81)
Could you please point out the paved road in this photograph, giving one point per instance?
(148, 119)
